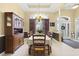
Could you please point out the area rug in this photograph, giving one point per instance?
(72, 43)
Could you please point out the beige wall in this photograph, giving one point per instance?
(25, 15)
(77, 13)
(28, 14)
(52, 18)
(9, 8)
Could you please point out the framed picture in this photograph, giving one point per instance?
(52, 23)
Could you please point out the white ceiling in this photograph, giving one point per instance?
(45, 7)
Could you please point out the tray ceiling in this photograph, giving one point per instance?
(46, 7)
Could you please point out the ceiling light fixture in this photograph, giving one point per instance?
(75, 6)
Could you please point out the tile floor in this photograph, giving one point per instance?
(58, 49)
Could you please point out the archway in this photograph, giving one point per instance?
(63, 26)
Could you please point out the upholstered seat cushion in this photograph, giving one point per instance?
(39, 48)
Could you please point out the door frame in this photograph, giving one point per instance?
(68, 23)
(76, 19)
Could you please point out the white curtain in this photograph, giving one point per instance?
(39, 25)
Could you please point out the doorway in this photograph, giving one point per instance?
(63, 26)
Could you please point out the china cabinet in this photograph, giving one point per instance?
(13, 25)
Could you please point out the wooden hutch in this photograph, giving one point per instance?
(13, 25)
